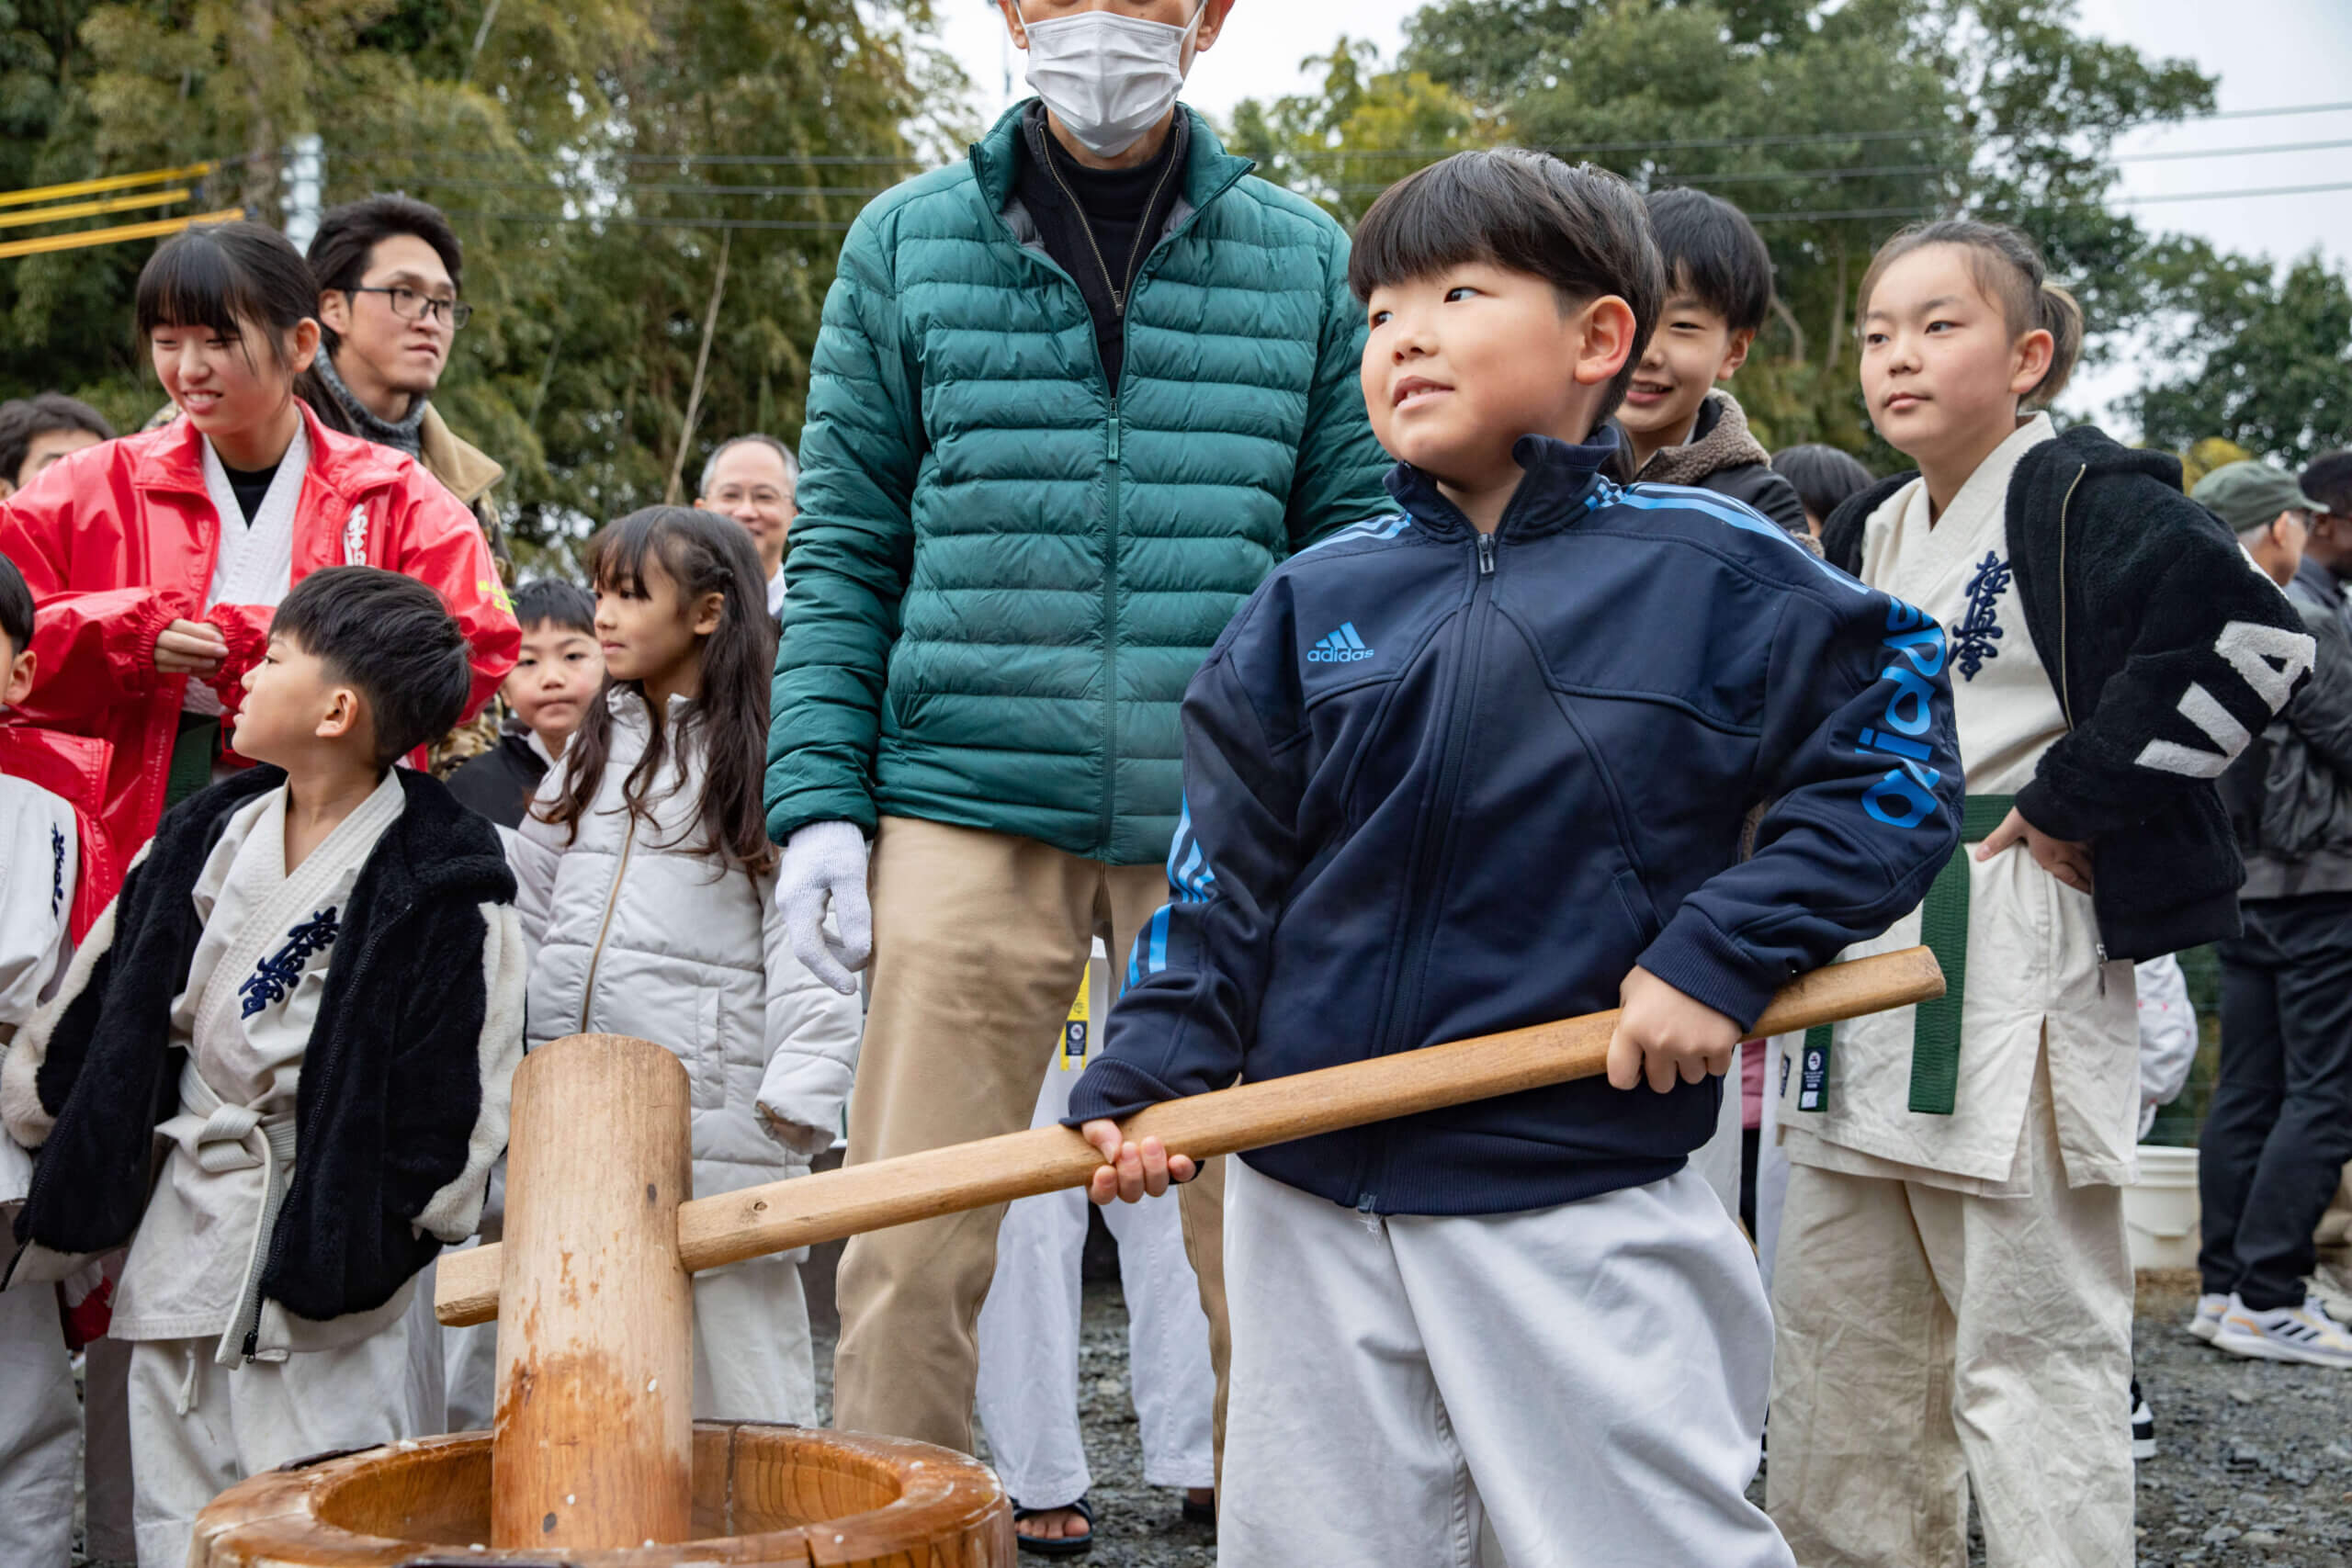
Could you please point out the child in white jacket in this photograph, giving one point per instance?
(646, 879)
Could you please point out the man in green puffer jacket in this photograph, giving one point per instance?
(1071, 401)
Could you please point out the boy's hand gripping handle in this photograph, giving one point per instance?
(781, 1215)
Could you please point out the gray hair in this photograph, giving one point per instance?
(791, 464)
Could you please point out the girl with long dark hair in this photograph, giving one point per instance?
(646, 889)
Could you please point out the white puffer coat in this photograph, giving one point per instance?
(632, 932)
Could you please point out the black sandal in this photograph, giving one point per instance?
(1200, 1513)
(1061, 1546)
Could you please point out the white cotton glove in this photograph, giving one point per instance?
(823, 862)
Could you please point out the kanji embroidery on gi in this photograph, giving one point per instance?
(1975, 634)
(274, 976)
(56, 870)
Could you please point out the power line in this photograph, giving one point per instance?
(1705, 180)
(1821, 215)
(634, 220)
(1808, 138)
(587, 162)
(2229, 152)
(1832, 213)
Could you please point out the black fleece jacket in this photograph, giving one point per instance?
(2168, 651)
(403, 1070)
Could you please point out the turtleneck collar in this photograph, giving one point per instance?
(1559, 475)
(406, 435)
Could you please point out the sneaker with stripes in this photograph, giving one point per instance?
(2143, 1425)
(2208, 1321)
(2304, 1333)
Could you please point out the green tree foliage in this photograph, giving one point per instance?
(1337, 145)
(2260, 356)
(596, 155)
(1832, 125)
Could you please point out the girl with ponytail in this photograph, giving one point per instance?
(1957, 1168)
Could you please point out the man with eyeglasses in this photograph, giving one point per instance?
(387, 269)
(751, 478)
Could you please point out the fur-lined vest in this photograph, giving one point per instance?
(402, 1103)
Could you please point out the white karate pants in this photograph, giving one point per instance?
(1588, 1379)
(41, 1430)
(754, 1359)
(1928, 1340)
(197, 1428)
(1029, 1329)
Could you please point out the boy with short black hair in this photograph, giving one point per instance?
(1488, 762)
(318, 963)
(40, 1420)
(560, 672)
(1685, 430)
(36, 431)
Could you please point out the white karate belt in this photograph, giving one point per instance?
(222, 1138)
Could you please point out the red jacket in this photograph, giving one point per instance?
(118, 540)
(73, 767)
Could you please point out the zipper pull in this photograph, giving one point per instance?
(1115, 430)
(1485, 555)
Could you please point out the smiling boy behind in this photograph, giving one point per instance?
(1481, 763)
(1686, 430)
(559, 673)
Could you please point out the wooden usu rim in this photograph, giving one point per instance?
(765, 1497)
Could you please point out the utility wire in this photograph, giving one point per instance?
(1704, 179)
(587, 162)
(1818, 216)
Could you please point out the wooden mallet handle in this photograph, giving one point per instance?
(781, 1215)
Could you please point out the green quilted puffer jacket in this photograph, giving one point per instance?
(1001, 576)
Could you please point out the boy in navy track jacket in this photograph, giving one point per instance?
(1536, 746)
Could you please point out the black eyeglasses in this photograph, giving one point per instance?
(411, 306)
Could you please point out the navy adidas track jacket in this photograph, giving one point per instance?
(1439, 784)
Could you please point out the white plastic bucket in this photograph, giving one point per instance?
(2160, 1210)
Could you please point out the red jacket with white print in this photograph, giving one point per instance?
(118, 540)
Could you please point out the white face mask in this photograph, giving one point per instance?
(1108, 78)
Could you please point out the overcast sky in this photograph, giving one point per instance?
(2272, 53)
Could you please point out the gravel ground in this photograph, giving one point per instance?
(1135, 1526)
(2254, 1461)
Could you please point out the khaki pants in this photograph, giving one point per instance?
(1928, 1340)
(980, 942)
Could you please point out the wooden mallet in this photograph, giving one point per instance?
(592, 1446)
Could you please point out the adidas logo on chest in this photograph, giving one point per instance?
(1342, 646)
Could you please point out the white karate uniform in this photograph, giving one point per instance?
(41, 1421)
(203, 1416)
(1029, 1330)
(1975, 1262)
(254, 564)
(1588, 1379)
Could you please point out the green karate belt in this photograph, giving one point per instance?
(1943, 929)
